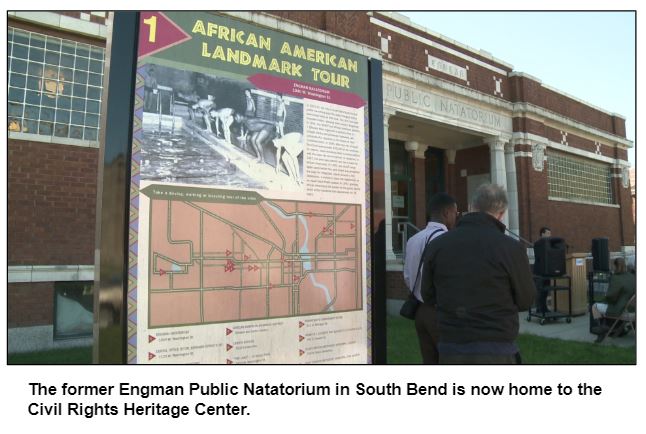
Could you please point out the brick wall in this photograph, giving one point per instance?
(412, 53)
(51, 203)
(31, 304)
(97, 17)
(576, 223)
(524, 89)
(395, 285)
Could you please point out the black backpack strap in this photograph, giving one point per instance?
(421, 258)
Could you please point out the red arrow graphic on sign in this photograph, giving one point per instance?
(300, 324)
(157, 32)
(151, 356)
(229, 362)
(229, 331)
(229, 347)
(151, 338)
(300, 338)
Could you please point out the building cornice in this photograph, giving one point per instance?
(524, 108)
(407, 21)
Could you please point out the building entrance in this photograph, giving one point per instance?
(402, 192)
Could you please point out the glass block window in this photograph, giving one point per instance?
(55, 85)
(579, 179)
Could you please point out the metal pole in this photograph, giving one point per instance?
(378, 213)
(113, 190)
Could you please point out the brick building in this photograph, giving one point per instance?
(454, 117)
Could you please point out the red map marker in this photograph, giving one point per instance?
(151, 356)
(157, 32)
(151, 338)
(229, 331)
(229, 347)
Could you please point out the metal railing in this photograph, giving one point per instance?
(405, 230)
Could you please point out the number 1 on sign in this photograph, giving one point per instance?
(152, 22)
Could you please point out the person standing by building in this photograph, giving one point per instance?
(443, 212)
(479, 279)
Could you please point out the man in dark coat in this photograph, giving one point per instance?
(479, 279)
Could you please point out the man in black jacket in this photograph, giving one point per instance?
(479, 279)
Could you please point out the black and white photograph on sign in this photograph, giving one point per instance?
(206, 129)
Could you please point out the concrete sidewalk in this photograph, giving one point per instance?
(577, 330)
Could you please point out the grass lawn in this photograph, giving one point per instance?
(535, 350)
(403, 349)
(68, 356)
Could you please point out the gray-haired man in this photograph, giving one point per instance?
(479, 279)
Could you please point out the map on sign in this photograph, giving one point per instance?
(226, 261)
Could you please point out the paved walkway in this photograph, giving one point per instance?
(577, 330)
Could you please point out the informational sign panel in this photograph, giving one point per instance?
(249, 201)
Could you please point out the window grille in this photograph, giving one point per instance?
(578, 179)
(55, 85)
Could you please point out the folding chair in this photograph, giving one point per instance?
(625, 316)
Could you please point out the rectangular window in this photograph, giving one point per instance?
(48, 76)
(578, 179)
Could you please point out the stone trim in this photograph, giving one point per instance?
(63, 22)
(40, 338)
(521, 154)
(49, 273)
(405, 20)
(52, 139)
(519, 138)
(583, 202)
(521, 108)
(400, 73)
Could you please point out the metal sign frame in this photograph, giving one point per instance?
(111, 302)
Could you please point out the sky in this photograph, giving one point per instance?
(589, 55)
